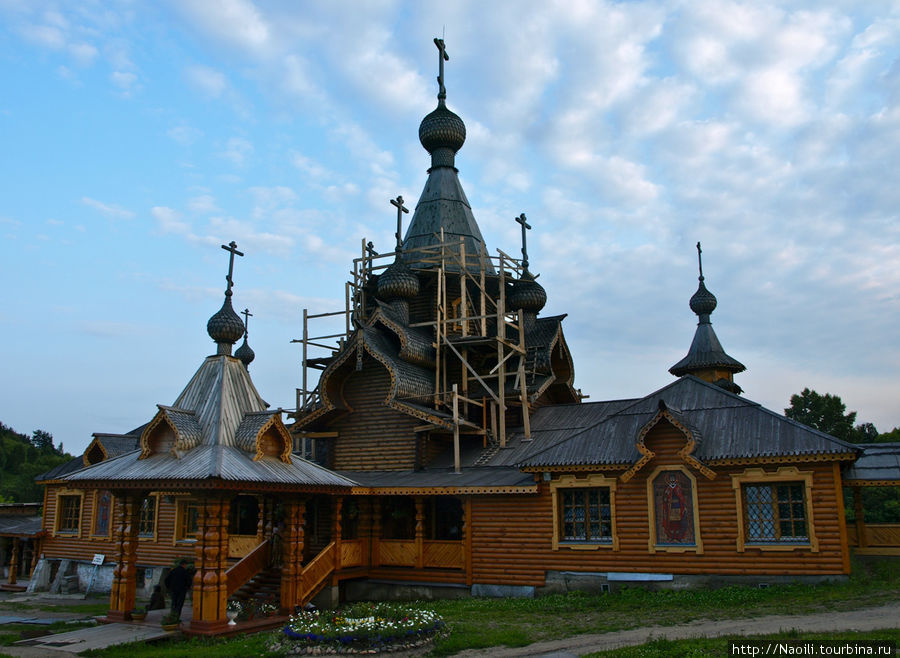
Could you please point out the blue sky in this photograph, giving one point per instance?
(138, 137)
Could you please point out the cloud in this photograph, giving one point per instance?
(169, 221)
(184, 134)
(207, 81)
(235, 23)
(202, 204)
(236, 150)
(124, 80)
(108, 209)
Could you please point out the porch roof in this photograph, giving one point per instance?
(484, 479)
(879, 463)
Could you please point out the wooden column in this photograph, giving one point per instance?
(122, 594)
(292, 565)
(14, 562)
(211, 563)
(420, 532)
(338, 531)
(861, 539)
(467, 538)
(35, 555)
(375, 559)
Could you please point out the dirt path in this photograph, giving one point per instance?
(865, 619)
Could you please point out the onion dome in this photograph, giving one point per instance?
(225, 327)
(245, 353)
(527, 294)
(703, 302)
(442, 129)
(398, 282)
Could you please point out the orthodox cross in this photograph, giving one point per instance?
(398, 202)
(247, 315)
(525, 225)
(442, 57)
(370, 250)
(232, 249)
(700, 260)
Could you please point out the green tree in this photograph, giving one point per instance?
(42, 440)
(825, 413)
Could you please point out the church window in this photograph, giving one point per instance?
(586, 515)
(147, 520)
(69, 516)
(774, 510)
(775, 513)
(443, 518)
(187, 520)
(244, 516)
(584, 512)
(102, 512)
(398, 518)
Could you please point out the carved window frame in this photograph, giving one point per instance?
(153, 534)
(594, 481)
(782, 475)
(182, 503)
(60, 496)
(652, 544)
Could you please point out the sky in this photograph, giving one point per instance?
(138, 137)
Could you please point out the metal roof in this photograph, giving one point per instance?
(879, 462)
(210, 462)
(20, 526)
(727, 426)
(478, 477)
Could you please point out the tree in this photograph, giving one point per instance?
(824, 413)
(42, 440)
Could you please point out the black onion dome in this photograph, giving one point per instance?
(527, 294)
(225, 326)
(398, 282)
(442, 129)
(245, 353)
(703, 302)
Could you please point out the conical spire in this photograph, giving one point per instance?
(244, 352)
(443, 203)
(225, 327)
(706, 358)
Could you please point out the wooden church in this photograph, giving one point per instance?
(444, 451)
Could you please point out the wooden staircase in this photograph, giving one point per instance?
(264, 587)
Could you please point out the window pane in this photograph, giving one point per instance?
(585, 514)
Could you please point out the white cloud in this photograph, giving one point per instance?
(202, 204)
(169, 221)
(124, 80)
(206, 80)
(108, 209)
(237, 149)
(235, 23)
(184, 134)
(83, 52)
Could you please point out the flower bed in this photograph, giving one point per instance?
(361, 628)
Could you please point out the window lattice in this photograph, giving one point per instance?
(147, 524)
(586, 515)
(775, 513)
(189, 522)
(69, 513)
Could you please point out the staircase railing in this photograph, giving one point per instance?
(317, 571)
(252, 563)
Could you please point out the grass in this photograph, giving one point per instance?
(719, 646)
(483, 623)
(10, 633)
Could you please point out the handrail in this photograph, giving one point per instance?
(317, 570)
(250, 565)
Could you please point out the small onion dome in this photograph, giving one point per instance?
(245, 353)
(703, 302)
(225, 326)
(527, 294)
(398, 282)
(442, 129)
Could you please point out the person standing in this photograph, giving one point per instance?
(178, 582)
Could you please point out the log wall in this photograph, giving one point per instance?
(513, 535)
(374, 437)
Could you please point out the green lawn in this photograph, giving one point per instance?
(482, 623)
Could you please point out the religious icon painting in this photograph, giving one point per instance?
(674, 509)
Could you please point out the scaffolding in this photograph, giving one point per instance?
(471, 330)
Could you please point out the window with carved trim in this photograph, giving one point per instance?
(147, 522)
(187, 521)
(586, 515)
(775, 513)
(69, 514)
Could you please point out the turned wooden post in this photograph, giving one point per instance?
(338, 531)
(375, 559)
(420, 532)
(14, 562)
(292, 567)
(122, 594)
(210, 594)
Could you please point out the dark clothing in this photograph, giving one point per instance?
(178, 582)
(157, 600)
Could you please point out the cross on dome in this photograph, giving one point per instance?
(398, 202)
(525, 226)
